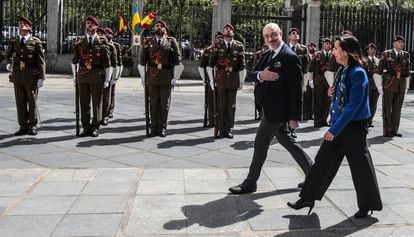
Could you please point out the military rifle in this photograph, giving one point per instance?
(77, 104)
(147, 108)
(206, 85)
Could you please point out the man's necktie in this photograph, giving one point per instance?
(272, 53)
(326, 55)
(22, 42)
(293, 48)
(159, 43)
(90, 42)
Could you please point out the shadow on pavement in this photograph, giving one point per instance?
(304, 225)
(216, 213)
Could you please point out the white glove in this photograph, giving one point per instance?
(108, 74)
(329, 76)
(407, 81)
(380, 90)
(306, 78)
(75, 68)
(174, 82)
(120, 69)
(210, 73)
(378, 83)
(142, 82)
(74, 81)
(212, 84)
(202, 75)
(311, 85)
(178, 70)
(40, 83)
(9, 67)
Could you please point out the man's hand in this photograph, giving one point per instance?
(328, 136)
(74, 81)
(293, 124)
(331, 91)
(106, 84)
(267, 75)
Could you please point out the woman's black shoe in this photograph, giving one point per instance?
(362, 214)
(299, 204)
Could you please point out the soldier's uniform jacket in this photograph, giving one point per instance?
(118, 53)
(302, 52)
(160, 61)
(28, 61)
(113, 54)
(228, 63)
(92, 62)
(319, 65)
(394, 70)
(371, 66)
(205, 57)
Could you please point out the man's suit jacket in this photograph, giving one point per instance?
(281, 99)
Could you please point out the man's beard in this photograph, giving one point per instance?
(159, 32)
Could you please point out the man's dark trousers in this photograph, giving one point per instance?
(266, 132)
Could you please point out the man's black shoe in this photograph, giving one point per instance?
(301, 185)
(293, 134)
(395, 134)
(84, 133)
(32, 132)
(21, 132)
(104, 122)
(221, 135)
(94, 133)
(228, 135)
(242, 189)
(111, 116)
(163, 132)
(153, 133)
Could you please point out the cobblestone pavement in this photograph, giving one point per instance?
(124, 184)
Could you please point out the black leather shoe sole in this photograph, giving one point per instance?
(21, 132)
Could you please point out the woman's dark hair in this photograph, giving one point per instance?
(351, 45)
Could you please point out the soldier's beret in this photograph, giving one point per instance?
(109, 31)
(294, 29)
(93, 19)
(398, 37)
(325, 40)
(312, 44)
(162, 23)
(26, 20)
(346, 32)
(218, 33)
(371, 45)
(229, 25)
(100, 30)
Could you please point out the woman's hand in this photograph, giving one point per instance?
(331, 91)
(328, 136)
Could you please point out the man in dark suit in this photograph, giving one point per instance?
(279, 72)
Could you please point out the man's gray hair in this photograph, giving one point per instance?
(275, 27)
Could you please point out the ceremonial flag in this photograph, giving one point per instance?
(123, 24)
(136, 21)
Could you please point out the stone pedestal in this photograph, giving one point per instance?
(54, 32)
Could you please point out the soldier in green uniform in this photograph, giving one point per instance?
(318, 66)
(106, 94)
(229, 60)
(371, 66)
(117, 70)
(395, 69)
(302, 52)
(205, 57)
(91, 68)
(26, 62)
(308, 92)
(162, 58)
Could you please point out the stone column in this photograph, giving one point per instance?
(221, 15)
(54, 32)
(289, 9)
(313, 21)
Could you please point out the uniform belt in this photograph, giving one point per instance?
(162, 66)
(31, 65)
(92, 68)
(234, 69)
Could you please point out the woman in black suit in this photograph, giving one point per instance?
(346, 136)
